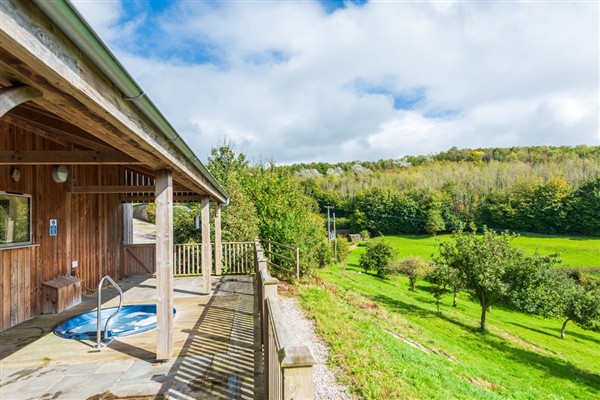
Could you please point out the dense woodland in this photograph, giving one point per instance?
(550, 190)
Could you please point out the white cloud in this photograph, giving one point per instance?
(493, 74)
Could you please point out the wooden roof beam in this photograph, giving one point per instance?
(123, 189)
(65, 158)
(12, 96)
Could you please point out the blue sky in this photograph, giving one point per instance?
(300, 81)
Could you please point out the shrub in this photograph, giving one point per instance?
(414, 268)
(151, 211)
(323, 253)
(342, 249)
(364, 234)
(377, 257)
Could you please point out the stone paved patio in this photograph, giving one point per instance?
(214, 358)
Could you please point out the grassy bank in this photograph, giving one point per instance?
(576, 251)
(391, 342)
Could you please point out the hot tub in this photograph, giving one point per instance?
(130, 320)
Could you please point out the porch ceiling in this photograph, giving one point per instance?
(82, 109)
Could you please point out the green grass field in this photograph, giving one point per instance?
(575, 251)
(392, 344)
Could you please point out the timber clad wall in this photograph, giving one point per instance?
(90, 229)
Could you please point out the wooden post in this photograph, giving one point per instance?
(218, 245)
(127, 223)
(206, 257)
(297, 262)
(297, 370)
(164, 264)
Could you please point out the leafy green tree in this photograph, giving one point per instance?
(448, 267)
(342, 249)
(239, 221)
(435, 223)
(485, 264)
(582, 306)
(440, 278)
(285, 213)
(378, 255)
(225, 161)
(583, 209)
(414, 268)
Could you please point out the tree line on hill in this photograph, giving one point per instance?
(535, 189)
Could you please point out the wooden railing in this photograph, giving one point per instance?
(187, 259)
(288, 368)
(236, 259)
(283, 258)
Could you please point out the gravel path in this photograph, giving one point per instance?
(302, 330)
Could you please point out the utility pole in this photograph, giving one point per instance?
(328, 224)
(334, 239)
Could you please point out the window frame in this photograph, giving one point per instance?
(4, 246)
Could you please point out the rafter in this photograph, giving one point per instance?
(121, 189)
(65, 157)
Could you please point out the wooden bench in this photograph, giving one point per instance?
(61, 294)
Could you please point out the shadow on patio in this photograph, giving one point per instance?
(214, 351)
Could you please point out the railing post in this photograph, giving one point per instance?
(297, 369)
(298, 263)
(269, 289)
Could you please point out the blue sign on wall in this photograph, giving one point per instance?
(53, 227)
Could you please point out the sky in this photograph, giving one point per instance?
(304, 81)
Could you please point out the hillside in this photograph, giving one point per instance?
(547, 190)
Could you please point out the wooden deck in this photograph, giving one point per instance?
(214, 350)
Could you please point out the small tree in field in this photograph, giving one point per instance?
(439, 277)
(582, 306)
(378, 256)
(485, 265)
(414, 268)
(435, 222)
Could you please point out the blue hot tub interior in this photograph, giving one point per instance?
(130, 320)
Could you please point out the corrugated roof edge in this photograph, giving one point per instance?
(72, 24)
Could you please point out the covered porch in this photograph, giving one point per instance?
(216, 353)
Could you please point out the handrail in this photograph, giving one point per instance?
(288, 368)
(99, 345)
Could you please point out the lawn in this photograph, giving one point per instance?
(575, 251)
(391, 343)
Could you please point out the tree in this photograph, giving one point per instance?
(485, 264)
(582, 306)
(439, 277)
(378, 255)
(414, 268)
(435, 223)
(448, 268)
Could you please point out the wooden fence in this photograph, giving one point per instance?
(288, 368)
(283, 258)
(187, 259)
(140, 259)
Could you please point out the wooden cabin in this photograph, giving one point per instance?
(79, 141)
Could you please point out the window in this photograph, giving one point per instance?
(15, 219)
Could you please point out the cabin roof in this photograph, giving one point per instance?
(88, 101)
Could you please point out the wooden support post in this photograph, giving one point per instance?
(218, 244)
(297, 370)
(297, 258)
(127, 223)
(206, 256)
(164, 264)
